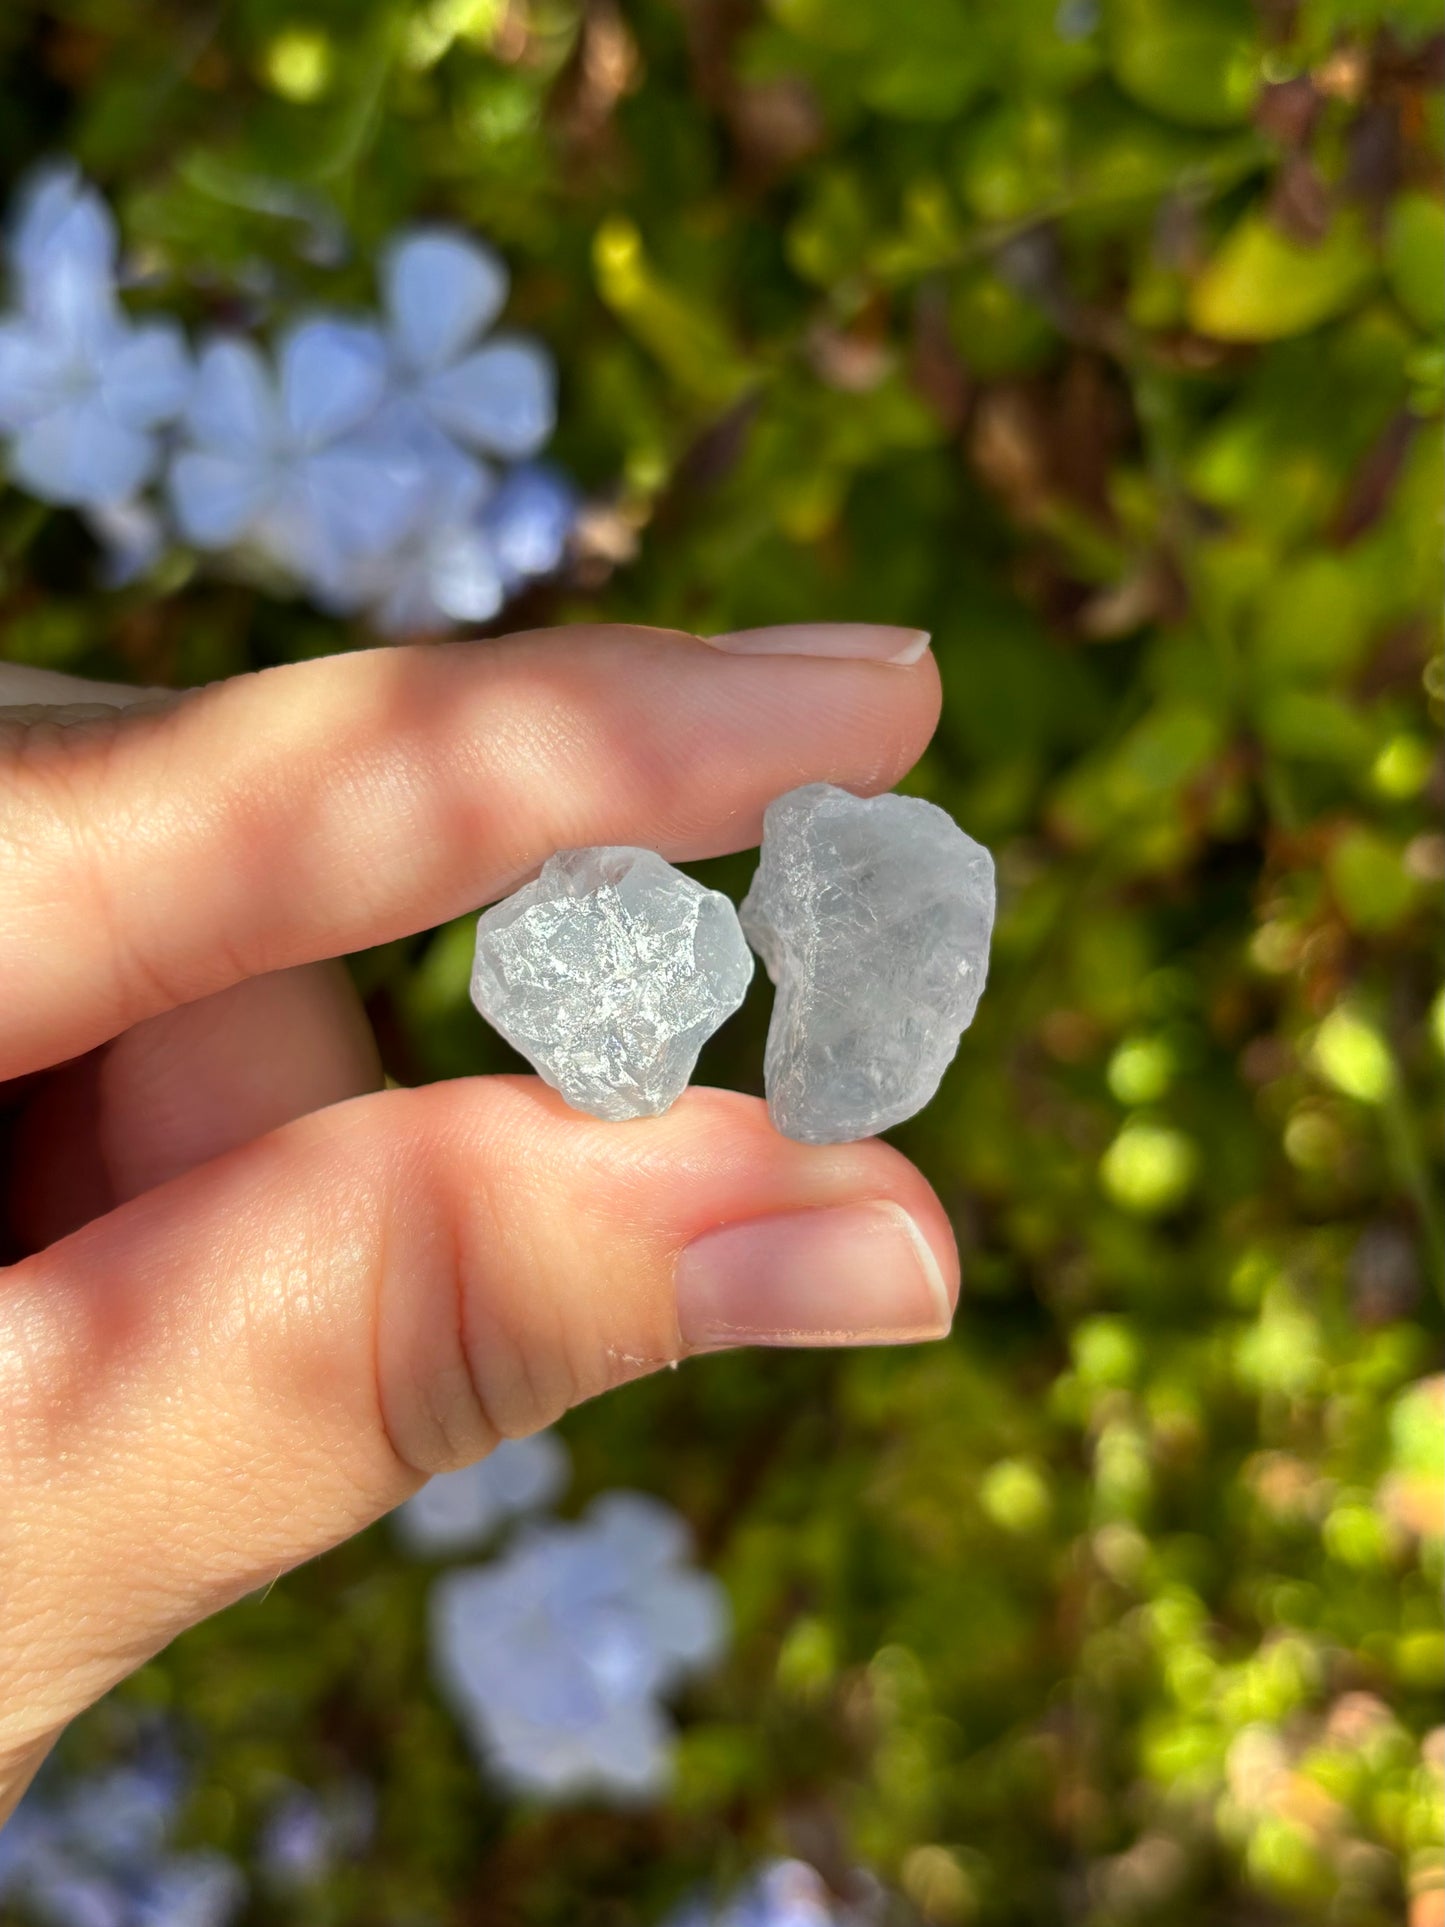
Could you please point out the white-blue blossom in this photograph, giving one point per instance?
(782, 1893)
(83, 389)
(528, 519)
(95, 1852)
(372, 464)
(557, 1656)
(464, 570)
(286, 461)
(441, 292)
(456, 1511)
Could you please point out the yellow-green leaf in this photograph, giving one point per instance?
(1193, 61)
(1371, 883)
(1415, 258)
(1262, 285)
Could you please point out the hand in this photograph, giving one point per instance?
(255, 1300)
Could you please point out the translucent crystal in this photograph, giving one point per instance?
(873, 918)
(608, 974)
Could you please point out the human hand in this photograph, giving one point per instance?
(255, 1300)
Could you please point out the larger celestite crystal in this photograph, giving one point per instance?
(608, 974)
(873, 917)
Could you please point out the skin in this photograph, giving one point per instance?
(251, 1299)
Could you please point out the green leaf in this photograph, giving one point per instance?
(1261, 285)
(1316, 616)
(1415, 258)
(1192, 61)
(1373, 887)
(1313, 726)
(995, 328)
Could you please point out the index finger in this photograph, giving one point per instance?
(302, 812)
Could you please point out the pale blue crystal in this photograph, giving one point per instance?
(608, 974)
(873, 918)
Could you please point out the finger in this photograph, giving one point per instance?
(232, 1372)
(183, 1087)
(24, 686)
(306, 811)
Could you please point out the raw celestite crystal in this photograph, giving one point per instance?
(608, 974)
(873, 917)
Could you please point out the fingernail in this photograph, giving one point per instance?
(857, 1274)
(858, 641)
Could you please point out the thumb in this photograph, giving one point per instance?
(242, 1367)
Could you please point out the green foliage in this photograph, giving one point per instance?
(1107, 348)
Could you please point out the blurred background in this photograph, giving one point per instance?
(1103, 340)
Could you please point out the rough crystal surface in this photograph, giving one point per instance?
(873, 917)
(608, 974)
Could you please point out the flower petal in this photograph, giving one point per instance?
(146, 378)
(502, 399)
(62, 223)
(233, 405)
(81, 456)
(33, 374)
(333, 377)
(529, 519)
(216, 497)
(441, 290)
(365, 496)
(466, 583)
(457, 484)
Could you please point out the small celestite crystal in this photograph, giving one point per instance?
(873, 917)
(608, 974)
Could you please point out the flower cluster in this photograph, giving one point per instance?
(95, 1852)
(383, 466)
(456, 1511)
(558, 1654)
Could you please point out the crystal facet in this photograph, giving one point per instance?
(873, 918)
(608, 974)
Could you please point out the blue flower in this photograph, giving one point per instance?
(290, 463)
(556, 1657)
(457, 1510)
(529, 520)
(441, 292)
(366, 464)
(83, 389)
(95, 1853)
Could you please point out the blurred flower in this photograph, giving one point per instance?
(83, 390)
(62, 241)
(282, 461)
(359, 465)
(529, 520)
(94, 1853)
(557, 1656)
(441, 292)
(457, 1510)
(306, 1834)
(782, 1893)
(474, 539)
